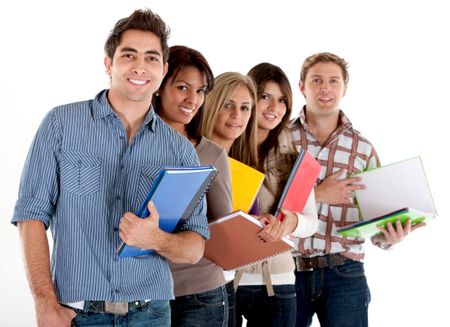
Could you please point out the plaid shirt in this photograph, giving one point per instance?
(345, 149)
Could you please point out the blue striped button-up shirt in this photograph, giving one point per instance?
(80, 177)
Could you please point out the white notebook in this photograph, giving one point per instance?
(389, 188)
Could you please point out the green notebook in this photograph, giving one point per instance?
(368, 228)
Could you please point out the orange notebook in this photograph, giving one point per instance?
(245, 184)
(299, 184)
(235, 244)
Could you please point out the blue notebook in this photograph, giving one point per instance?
(175, 193)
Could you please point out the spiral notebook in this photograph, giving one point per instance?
(234, 242)
(176, 192)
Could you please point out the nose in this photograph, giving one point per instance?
(236, 112)
(325, 87)
(192, 97)
(140, 67)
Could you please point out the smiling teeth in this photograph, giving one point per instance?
(136, 81)
(186, 110)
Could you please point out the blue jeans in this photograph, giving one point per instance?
(231, 293)
(338, 295)
(253, 303)
(154, 313)
(202, 309)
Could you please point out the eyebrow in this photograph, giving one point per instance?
(128, 49)
(187, 83)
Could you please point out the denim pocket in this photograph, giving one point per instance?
(157, 307)
(284, 291)
(350, 269)
(80, 173)
(212, 298)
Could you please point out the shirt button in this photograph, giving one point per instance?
(116, 291)
(116, 229)
(118, 197)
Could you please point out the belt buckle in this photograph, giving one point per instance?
(117, 308)
(300, 266)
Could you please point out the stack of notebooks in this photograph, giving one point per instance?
(234, 241)
(394, 192)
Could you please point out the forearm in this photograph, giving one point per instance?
(36, 256)
(183, 247)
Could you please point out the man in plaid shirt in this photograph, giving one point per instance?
(330, 279)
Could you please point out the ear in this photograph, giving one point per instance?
(108, 63)
(345, 90)
(301, 86)
(165, 70)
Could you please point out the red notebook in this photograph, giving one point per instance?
(299, 184)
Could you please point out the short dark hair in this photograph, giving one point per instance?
(181, 57)
(324, 57)
(141, 20)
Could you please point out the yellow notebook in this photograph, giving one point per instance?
(245, 184)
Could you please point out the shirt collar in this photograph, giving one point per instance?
(344, 121)
(101, 108)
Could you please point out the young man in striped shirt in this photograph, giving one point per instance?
(90, 166)
(330, 279)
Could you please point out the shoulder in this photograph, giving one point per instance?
(209, 152)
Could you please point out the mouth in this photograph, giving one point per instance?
(270, 117)
(186, 110)
(325, 99)
(233, 125)
(138, 81)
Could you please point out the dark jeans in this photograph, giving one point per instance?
(231, 304)
(253, 303)
(202, 309)
(154, 313)
(338, 295)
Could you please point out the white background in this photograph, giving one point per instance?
(52, 53)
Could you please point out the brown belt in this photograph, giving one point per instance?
(319, 262)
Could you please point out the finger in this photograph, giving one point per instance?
(407, 227)
(353, 187)
(391, 231)
(337, 174)
(419, 225)
(153, 212)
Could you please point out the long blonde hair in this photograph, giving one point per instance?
(244, 148)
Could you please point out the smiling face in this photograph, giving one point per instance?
(182, 96)
(233, 118)
(270, 108)
(136, 70)
(324, 87)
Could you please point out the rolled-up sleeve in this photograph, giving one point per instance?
(38, 190)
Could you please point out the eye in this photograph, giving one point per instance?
(245, 108)
(128, 56)
(182, 87)
(284, 101)
(152, 59)
(201, 91)
(317, 81)
(228, 105)
(265, 96)
(334, 81)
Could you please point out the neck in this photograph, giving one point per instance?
(131, 114)
(263, 134)
(322, 126)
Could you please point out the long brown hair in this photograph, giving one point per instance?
(261, 75)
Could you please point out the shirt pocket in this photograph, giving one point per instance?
(80, 173)
(149, 173)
